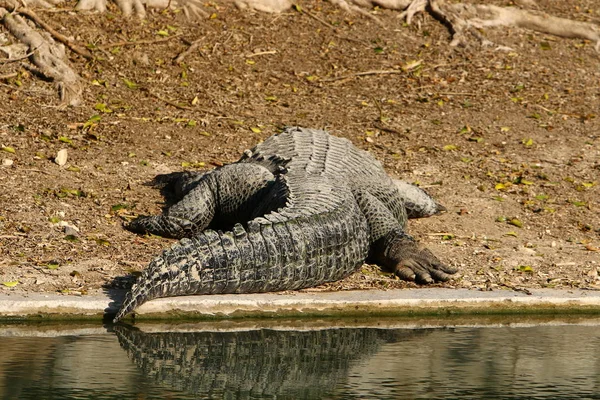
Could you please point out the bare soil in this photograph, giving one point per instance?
(508, 141)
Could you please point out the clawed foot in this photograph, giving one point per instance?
(421, 266)
(399, 253)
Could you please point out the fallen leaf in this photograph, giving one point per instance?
(516, 222)
(525, 268)
(118, 207)
(10, 283)
(102, 107)
(589, 247)
(130, 84)
(102, 242)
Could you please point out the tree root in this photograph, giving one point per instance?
(47, 57)
(465, 18)
(462, 18)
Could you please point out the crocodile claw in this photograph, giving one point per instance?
(423, 267)
(409, 261)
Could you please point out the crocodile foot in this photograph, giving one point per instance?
(401, 254)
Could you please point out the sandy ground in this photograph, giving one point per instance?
(508, 141)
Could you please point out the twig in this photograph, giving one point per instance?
(169, 102)
(58, 36)
(515, 288)
(11, 60)
(383, 128)
(313, 16)
(374, 100)
(327, 24)
(8, 76)
(36, 170)
(365, 73)
(129, 43)
(193, 46)
(261, 53)
(179, 106)
(458, 94)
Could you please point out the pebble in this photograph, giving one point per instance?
(61, 157)
(7, 162)
(526, 250)
(69, 229)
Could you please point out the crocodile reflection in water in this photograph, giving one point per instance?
(265, 362)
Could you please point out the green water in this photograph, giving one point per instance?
(515, 361)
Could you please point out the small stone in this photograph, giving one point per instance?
(71, 230)
(525, 250)
(7, 162)
(61, 157)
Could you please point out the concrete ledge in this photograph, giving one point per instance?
(428, 301)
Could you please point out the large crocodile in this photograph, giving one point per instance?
(256, 363)
(298, 210)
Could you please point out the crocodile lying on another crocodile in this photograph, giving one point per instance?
(300, 209)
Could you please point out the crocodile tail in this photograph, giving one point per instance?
(275, 253)
(209, 263)
(167, 275)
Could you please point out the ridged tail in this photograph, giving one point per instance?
(274, 253)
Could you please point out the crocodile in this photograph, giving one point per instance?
(300, 209)
(256, 363)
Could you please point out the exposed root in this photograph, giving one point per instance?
(91, 5)
(488, 16)
(465, 19)
(192, 48)
(462, 18)
(47, 57)
(356, 6)
(56, 35)
(40, 3)
(270, 6)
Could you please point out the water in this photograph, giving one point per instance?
(517, 361)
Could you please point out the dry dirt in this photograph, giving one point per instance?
(496, 136)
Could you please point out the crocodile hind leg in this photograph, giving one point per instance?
(176, 185)
(400, 253)
(395, 250)
(224, 196)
